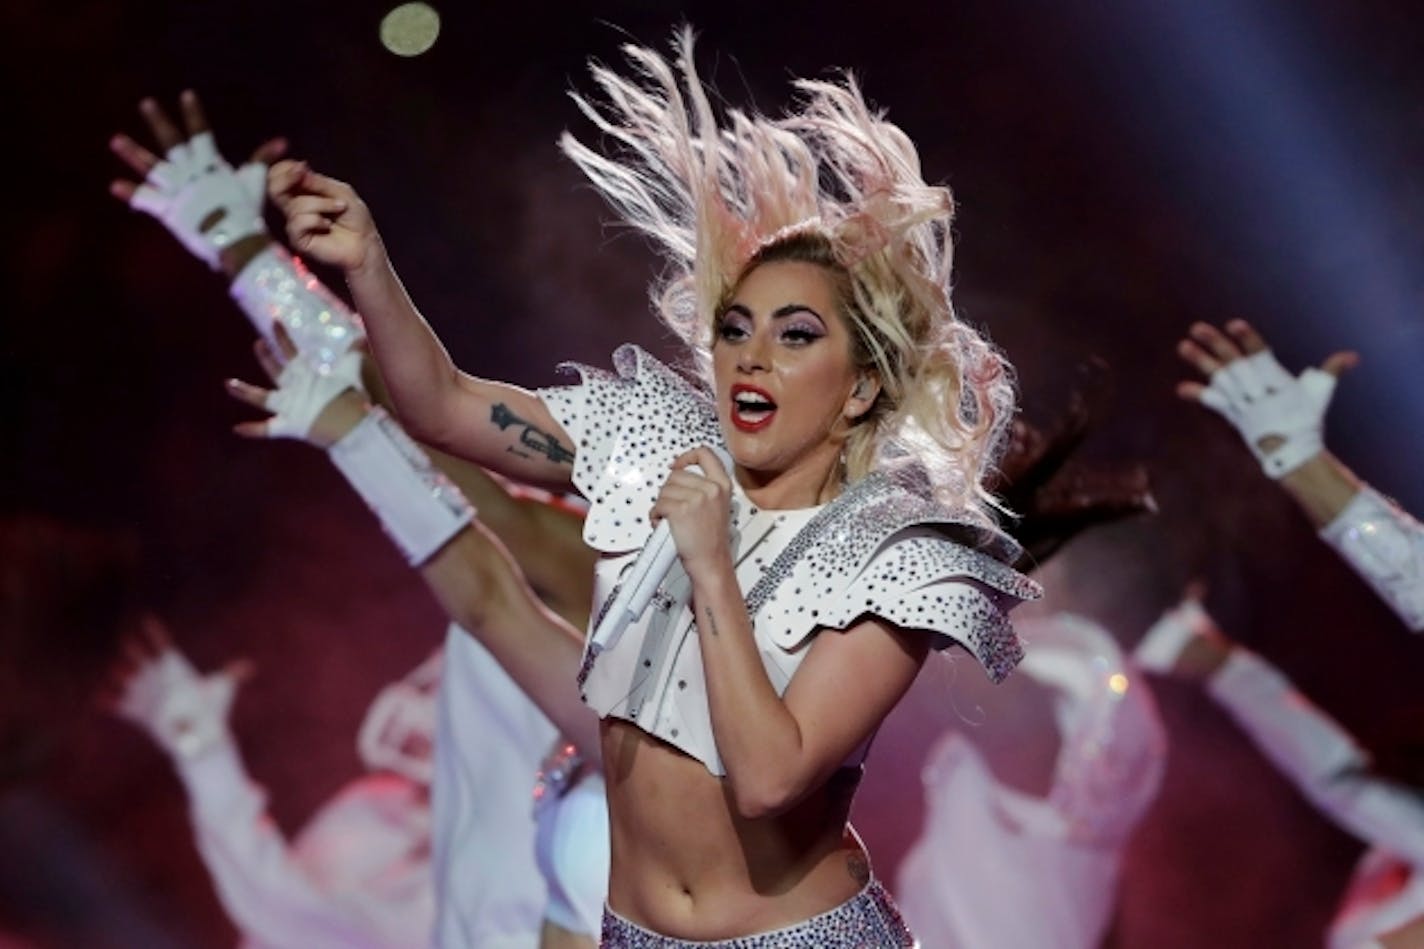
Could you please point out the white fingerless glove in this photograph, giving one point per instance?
(1262, 400)
(183, 712)
(194, 186)
(303, 391)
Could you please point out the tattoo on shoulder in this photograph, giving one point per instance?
(531, 437)
(858, 868)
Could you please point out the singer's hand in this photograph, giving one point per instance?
(698, 509)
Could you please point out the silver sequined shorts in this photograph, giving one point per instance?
(868, 920)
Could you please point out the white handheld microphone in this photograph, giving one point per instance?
(643, 578)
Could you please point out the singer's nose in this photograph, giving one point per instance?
(752, 355)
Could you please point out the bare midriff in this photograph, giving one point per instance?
(686, 865)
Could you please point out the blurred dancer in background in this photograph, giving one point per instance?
(489, 738)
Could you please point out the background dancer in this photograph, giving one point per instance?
(484, 852)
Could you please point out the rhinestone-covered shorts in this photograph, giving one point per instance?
(868, 920)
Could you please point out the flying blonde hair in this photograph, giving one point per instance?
(831, 183)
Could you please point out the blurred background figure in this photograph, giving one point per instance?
(998, 866)
(358, 873)
(489, 736)
(1281, 418)
(1322, 760)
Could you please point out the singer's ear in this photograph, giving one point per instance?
(862, 395)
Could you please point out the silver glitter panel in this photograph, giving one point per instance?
(276, 287)
(1385, 546)
(556, 774)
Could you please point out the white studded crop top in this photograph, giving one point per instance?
(882, 547)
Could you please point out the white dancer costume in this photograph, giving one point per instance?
(1332, 771)
(1385, 546)
(490, 737)
(572, 846)
(489, 746)
(996, 866)
(357, 875)
(882, 547)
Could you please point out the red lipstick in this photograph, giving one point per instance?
(760, 421)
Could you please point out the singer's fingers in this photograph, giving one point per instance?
(325, 186)
(709, 461)
(284, 182)
(690, 487)
(269, 151)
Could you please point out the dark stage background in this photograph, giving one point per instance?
(1122, 168)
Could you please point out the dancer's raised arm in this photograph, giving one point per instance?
(1281, 418)
(464, 564)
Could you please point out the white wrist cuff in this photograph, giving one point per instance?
(418, 506)
(1385, 546)
(1163, 643)
(276, 287)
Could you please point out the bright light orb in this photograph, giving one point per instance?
(1118, 683)
(410, 29)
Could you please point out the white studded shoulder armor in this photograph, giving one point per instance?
(882, 548)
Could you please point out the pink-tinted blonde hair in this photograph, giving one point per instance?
(832, 183)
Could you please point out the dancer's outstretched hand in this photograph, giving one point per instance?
(326, 219)
(202, 200)
(306, 403)
(156, 688)
(1185, 642)
(1280, 417)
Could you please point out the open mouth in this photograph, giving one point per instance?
(752, 408)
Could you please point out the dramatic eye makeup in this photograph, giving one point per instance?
(734, 323)
(795, 323)
(801, 330)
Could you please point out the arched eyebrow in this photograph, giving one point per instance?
(780, 312)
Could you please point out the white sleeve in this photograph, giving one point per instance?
(1319, 757)
(1385, 546)
(263, 887)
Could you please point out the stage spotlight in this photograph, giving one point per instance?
(410, 29)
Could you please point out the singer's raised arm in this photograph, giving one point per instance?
(500, 426)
